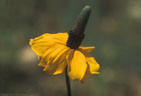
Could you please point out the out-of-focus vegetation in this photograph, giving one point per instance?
(114, 28)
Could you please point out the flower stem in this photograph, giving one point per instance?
(67, 83)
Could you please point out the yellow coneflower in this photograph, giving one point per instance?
(55, 55)
(61, 51)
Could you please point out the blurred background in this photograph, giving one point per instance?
(114, 28)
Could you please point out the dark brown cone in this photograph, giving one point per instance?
(76, 35)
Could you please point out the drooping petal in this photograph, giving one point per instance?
(55, 60)
(44, 58)
(93, 65)
(61, 56)
(87, 49)
(85, 76)
(61, 60)
(41, 43)
(60, 69)
(77, 66)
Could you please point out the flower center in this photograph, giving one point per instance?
(74, 40)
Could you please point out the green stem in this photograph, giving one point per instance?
(67, 83)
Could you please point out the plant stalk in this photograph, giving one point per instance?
(67, 83)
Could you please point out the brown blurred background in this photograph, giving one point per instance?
(114, 28)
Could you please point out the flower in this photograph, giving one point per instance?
(54, 56)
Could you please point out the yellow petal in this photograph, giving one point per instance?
(41, 43)
(87, 49)
(61, 56)
(61, 60)
(66, 56)
(55, 59)
(44, 58)
(93, 65)
(85, 76)
(60, 69)
(77, 66)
